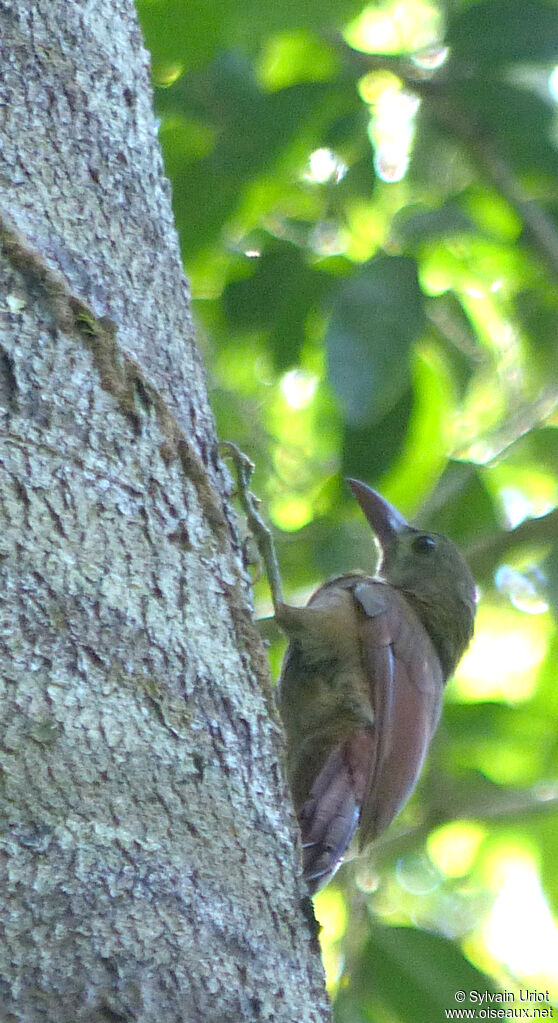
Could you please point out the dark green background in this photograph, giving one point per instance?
(404, 332)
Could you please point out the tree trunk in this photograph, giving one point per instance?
(148, 857)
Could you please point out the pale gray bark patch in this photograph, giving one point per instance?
(148, 865)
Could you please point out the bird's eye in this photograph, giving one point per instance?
(423, 544)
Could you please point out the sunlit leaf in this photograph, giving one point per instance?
(427, 445)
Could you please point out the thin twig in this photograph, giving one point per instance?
(510, 806)
(538, 225)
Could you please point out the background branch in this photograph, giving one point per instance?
(484, 554)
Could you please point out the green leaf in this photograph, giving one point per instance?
(258, 136)
(513, 115)
(407, 976)
(418, 223)
(277, 297)
(369, 451)
(550, 571)
(424, 452)
(376, 317)
(461, 506)
(544, 829)
(193, 31)
(537, 312)
(501, 31)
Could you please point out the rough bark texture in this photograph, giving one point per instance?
(148, 870)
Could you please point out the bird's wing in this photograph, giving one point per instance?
(366, 771)
(406, 682)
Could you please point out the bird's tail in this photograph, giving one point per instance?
(329, 816)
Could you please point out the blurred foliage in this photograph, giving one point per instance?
(367, 202)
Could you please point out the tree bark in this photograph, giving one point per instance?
(149, 868)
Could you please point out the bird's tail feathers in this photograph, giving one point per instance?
(329, 816)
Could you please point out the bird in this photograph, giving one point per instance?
(362, 681)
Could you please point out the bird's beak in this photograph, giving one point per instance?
(384, 519)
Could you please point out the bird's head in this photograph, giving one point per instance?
(428, 569)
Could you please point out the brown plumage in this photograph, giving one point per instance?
(362, 683)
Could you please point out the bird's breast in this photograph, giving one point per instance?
(324, 691)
